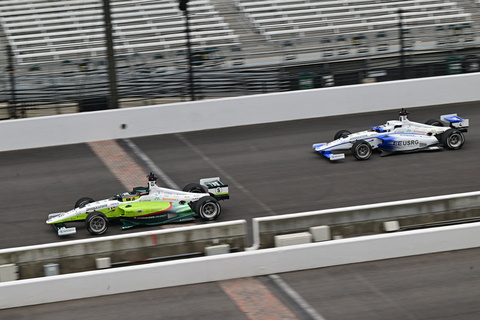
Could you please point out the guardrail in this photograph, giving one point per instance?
(368, 219)
(235, 265)
(80, 255)
(228, 112)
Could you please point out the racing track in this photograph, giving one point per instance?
(271, 169)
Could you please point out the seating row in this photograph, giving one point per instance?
(360, 26)
(283, 19)
(42, 29)
(315, 15)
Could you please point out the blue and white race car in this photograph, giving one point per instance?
(400, 135)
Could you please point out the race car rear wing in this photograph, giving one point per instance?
(216, 188)
(455, 121)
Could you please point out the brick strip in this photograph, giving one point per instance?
(255, 300)
(249, 294)
(123, 167)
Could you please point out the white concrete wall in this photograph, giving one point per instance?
(199, 115)
(235, 265)
(131, 241)
(368, 212)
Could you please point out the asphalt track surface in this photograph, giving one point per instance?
(271, 169)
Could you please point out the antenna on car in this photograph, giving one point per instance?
(403, 115)
(152, 181)
(151, 177)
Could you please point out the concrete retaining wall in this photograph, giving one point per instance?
(220, 113)
(80, 255)
(235, 265)
(368, 219)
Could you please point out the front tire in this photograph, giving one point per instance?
(341, 134)
(453, 139)
(208, 208)
(362, 150)
(82, 202)
(97, 223)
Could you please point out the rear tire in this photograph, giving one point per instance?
(208, 208)
(453, 139)
(341, 134)
(83, 201)
(362, 150)
(434, 122)
(194, 187)
(97, 223)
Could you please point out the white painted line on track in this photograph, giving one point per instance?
(296, 297)
(223, 173)
(151, 165)
(382, 296)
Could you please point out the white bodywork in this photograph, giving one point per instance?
(400, 135)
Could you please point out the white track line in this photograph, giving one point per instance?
(151, 165)
(296, 297)
(223, 173)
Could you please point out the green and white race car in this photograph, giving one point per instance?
(151, 205)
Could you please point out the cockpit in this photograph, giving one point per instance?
(130, 196)
(388, 127)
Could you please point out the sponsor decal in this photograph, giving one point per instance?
(103, 206)
(405, 143)
(359, 137)
(150, 217)
(337, 156)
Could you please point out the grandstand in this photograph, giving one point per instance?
(230, 39)
(44, 31)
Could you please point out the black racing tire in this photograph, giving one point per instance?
(194, 187)
(96, 223)
(83, 201)
(434, 122)
(453, 139)
(341, 134)
(361, 150)
(208, 208)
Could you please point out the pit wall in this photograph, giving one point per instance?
(228, 112)
(80, 255)
(236, 265)
(368, 219)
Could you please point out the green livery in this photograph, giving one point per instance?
(151, 205)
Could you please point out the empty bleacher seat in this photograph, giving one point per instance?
(42, 30)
